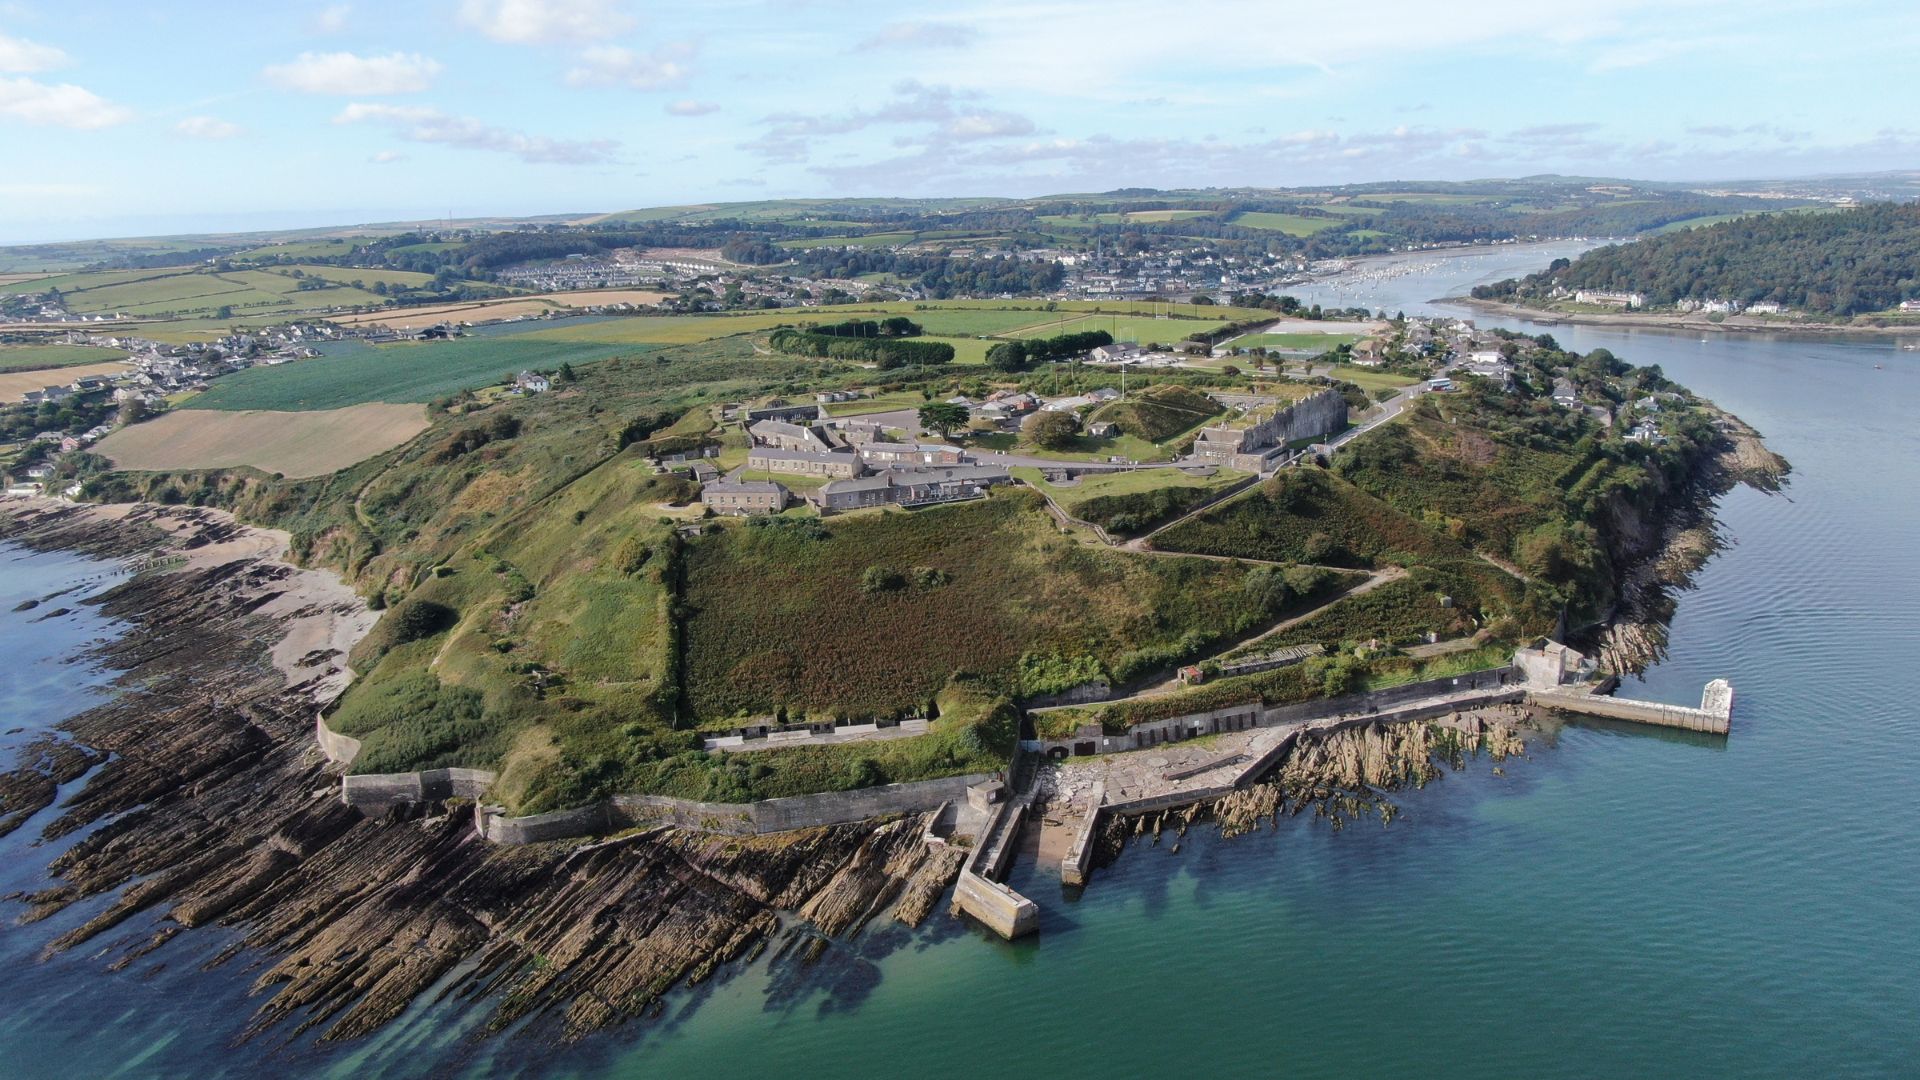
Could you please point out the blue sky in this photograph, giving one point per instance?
(140, 118)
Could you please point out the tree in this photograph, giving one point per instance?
(943, 416)
(1051, 430)
(566, 372)
(132, 411)
(1007, 356)
(224, 311)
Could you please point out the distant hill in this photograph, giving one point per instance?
(1840, 263)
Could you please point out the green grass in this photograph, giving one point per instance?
(399, 373)
(1291, 224)
(1372, 378)
(1159, 413)
(1307, 515)
(1295, 342)
(41, 357)
(1133, 502)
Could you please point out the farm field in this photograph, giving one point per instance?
(15, 385)
(397, 373)
(592, 297)
(419, 318)
(43, 357)
(195, 291)
(1291, 224)
(295, 444)
(419, 373)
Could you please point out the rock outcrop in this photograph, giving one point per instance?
(202, 800)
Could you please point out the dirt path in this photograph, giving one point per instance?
(1172, 682)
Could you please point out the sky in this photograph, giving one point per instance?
(127, 119)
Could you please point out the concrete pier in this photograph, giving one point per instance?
(979, 892)
(1714, 716)
(1078, 861)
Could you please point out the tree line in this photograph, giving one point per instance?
(887, 353)
(1841, 263)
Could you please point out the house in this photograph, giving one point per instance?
(1102, 429)
(1606, 298)
(1439, 385)
(1120, 352)
(1910, 305)
(532, 383)
(829, 397)
(40, 471)
(886, 453)
(910, 487)
(744, 497)
(1769, 307)
(1105, 394)
(1067, 404)
(1496, 369)
(785, 436)
(1564, 394)
(779, 409)
(859, 432)
(838, 464)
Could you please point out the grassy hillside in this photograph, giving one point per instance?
(1158, 413)
(781, 618)
(1306, 515)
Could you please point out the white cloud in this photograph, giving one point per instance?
(209, 127)
(424, 124)
(534, 22)
(612, 65)
(387, 157)
(19, 54)
(332, 19)
(922, 34)
(346, 73)
(690, 107)
(58, 105)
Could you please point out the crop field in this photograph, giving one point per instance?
(419, 318)
(1291, 224)
(780, 619)
(889, 239)
(397, 373)
(15, 385)
(43, 357)
(195, 291)
(303, 249)
(295, 444)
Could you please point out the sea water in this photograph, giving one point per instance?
(1622, 902)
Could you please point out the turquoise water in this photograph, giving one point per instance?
(1622, 903)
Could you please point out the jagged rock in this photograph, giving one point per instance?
(207, 803)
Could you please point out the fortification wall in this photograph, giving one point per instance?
(1310, 417)
(1254, 715)
(380, 790)
(339, 749)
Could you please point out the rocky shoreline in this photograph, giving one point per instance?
(1635, 635)
(203, 800)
